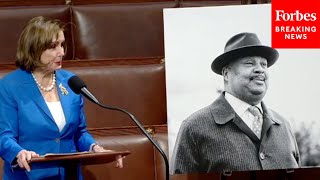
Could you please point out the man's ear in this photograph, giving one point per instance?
(224, 72)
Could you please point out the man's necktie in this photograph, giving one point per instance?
(257, 122)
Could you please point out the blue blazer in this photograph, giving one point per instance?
(26, 123)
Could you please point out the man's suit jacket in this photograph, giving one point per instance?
(26, 123)
(216, 139)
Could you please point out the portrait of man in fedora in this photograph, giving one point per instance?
(237, 132)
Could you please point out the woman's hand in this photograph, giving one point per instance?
(23, 157)
(119, 158)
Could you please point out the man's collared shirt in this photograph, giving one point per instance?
(241, 108)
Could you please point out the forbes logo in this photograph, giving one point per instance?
(296, 16)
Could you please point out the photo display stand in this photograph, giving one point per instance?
(279, 174)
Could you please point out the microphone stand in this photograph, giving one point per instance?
(144, 132)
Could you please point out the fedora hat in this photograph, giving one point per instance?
(243, 45)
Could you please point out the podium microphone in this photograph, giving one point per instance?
(78, 86)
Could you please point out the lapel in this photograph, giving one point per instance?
(243, 126)
(223, 113)
(268, 120)
(64, 95)
(32, 91)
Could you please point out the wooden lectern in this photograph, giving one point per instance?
(71, 160)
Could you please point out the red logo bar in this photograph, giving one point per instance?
(295, 24)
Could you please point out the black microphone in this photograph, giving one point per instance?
(78, 86)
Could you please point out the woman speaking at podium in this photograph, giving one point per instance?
(39, 113)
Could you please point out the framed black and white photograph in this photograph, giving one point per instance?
(195, 36)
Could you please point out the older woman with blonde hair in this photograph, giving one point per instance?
(39, 113)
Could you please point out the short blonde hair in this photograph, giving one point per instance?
(35, 38)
